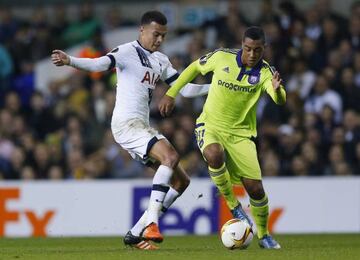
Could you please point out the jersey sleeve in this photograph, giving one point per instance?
(207, 62)
(117, 56)
(90, 64)
(202, 65)
(169, 74)
(279, 96)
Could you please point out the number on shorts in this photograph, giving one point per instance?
(200, 137)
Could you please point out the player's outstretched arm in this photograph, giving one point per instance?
(167, 103)
(61, 58)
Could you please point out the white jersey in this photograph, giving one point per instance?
(138, 70)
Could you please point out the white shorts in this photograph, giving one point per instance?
(137, 138)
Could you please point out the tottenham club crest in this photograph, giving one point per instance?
(253, 79)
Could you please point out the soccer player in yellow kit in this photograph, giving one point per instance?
(227, 126)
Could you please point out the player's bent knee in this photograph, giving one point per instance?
(256, 192)
(214, 155)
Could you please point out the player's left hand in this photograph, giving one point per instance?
(166, 105)
(276, 80)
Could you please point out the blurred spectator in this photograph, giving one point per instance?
(322, 96)
(13, 103)
(288, 14)
(348, 90)
(59, 24)
(41, 161)
(357, 68)
(39, 116)
(313, 28)
(325, 10)
(230, 26)
(336, 156)
(302, 80)
(354, 31)
(326, 125)
(357, 159)
(299, 166)
(329, 38)
(98, 102)
(8, 25)
(27, 173)
(6, 69)
(17, 161)
(6, 150)
(313, 58)
(75, 164)
(312, 159)
(270, 165)
(345, 52)
(55, 173)
(267, 13)
(195, 48)
(23, 83)
(84, 27)
(42, 42)
(297, 35)
(114, 19)
(287, 147)
(351, 134)
(342, 169)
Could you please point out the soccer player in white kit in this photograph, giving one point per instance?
(139, 66)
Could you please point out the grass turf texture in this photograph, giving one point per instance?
(329, 246)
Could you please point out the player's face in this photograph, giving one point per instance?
(252, 51)
(152, 35)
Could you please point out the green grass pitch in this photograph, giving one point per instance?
(329, 246)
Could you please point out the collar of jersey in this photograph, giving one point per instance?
(254, 71)
(143, 47)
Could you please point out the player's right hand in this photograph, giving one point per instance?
(60, 58)
(166, 105)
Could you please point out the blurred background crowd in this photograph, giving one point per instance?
(65, 132)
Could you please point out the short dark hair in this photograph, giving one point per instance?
(254, 33)
(153, 16)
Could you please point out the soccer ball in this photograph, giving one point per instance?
(236, 234)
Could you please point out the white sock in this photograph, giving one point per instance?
(169, 199)
(140, 224)
(159, 189)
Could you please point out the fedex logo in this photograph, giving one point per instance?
(217, 214)
(38, 223)
(181, 223)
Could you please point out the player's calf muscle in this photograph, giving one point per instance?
(180, 180)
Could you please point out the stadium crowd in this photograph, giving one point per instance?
(65, 134)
